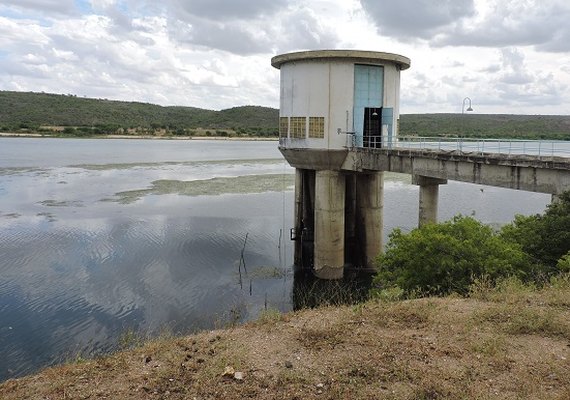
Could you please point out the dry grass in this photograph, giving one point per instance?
(512, 342)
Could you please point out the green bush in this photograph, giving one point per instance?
(563, 264)
(546, 237)
(447, 257)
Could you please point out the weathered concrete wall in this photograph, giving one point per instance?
(315, 159)
(429, 198)
(329, 224)
(392, 94)
(535, 174)
(370, 203)
(313, 89)
(298, 213)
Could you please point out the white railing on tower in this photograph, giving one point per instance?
(471, 145)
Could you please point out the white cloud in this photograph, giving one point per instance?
(264, 30)
(102, 4)
(513, 68)
(221, 10)
(23, 32)
(57, 6)
(513, 23)
(507, 56)
(411, 19)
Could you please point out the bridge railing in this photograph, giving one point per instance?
(470, 145)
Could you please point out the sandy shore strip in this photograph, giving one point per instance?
(235, 138)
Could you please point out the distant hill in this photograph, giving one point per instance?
(68, 114)
(42, 111)
(487, 126)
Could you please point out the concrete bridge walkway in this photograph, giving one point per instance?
(339, 192)
(536, 166)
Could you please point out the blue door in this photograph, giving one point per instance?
(368, 93)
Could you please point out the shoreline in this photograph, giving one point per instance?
(137, 137)
(485, 346)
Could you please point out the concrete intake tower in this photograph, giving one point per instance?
(332, 101)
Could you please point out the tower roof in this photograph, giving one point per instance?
(353, 55)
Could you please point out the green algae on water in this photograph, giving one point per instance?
(210, 187)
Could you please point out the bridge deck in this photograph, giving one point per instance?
(546, 174)
(536, 173)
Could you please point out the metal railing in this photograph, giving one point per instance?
(468, 145)
(558, 148)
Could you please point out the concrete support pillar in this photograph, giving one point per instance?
(370, 203)
(351, 249)
(298, 214)
(329, 224)
(350, 205)
(429, 193)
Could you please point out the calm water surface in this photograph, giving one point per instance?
(102, 237)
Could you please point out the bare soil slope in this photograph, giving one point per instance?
(501, 344)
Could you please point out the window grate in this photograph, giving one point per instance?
(298, 127)
(317, 127)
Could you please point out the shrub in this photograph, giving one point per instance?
(447, 257)
(563, 265)
(544, 237)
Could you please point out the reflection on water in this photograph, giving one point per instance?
(164, 251)
(73, 285)
(76, 272)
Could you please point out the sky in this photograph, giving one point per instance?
(506, 56)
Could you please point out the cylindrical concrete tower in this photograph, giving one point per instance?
(331, 102)
(325, 92)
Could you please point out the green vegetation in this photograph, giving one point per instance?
(444, 258)
(546, 237)
(502, 126)
(69, 115)
(450, 257)
(218, 185)
(74, 116)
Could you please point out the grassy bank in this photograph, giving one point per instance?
(509, 342)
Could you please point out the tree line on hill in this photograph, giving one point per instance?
(69, 115)
(76, 116)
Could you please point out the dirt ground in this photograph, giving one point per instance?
(507, 346)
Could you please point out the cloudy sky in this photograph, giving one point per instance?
(508, 56)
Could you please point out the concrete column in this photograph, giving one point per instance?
(298, 215)
(429, 193)
(428, 204)
(350, 233)
(370, 203)
(329, 224)
(350, 205)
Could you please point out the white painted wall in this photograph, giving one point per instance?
(341, 102)
(325, 88)
(392, 94)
